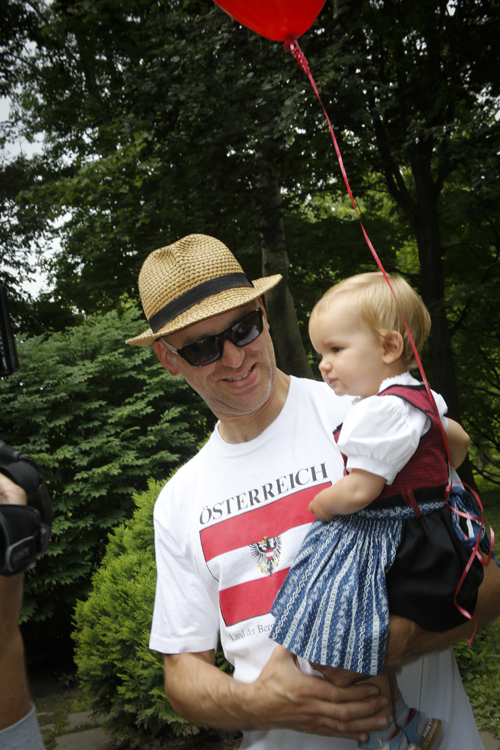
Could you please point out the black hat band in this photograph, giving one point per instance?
(195, 295)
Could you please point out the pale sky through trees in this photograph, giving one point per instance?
(32, 287)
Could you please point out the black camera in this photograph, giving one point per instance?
(24, 529)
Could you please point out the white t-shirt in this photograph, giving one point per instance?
(227, 528)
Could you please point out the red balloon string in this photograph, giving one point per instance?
(475, 553)
(292, 46)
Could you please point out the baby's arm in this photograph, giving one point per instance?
(351, 493)
(458, 442)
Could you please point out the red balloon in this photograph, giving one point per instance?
(275, 19)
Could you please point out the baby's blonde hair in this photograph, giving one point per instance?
(377, 308)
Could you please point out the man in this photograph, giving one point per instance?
(229, 523)
(18, 723)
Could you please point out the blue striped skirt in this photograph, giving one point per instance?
(332, 607)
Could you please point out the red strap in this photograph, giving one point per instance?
(409, 499)
(475, 553)
(292, 45)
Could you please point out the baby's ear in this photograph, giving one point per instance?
(393, 346)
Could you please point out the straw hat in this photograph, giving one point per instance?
(190, 280)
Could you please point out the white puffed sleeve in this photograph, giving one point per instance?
(381, 434)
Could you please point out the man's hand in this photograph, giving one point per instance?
(282, 697)
(285, 697)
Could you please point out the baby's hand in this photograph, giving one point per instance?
(317, 507)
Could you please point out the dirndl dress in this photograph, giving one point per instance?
(333, 607)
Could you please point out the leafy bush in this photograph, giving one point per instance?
(100, 417)
(116, 667)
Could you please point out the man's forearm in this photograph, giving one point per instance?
(201, 693)
(282, 697)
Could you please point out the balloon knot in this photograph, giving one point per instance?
(292, 45)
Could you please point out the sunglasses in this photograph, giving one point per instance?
(210, 349)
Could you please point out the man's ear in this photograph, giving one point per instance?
(165, 358)
(264, 314)
(393, 347)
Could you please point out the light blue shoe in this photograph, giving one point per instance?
(398, 742)
(427, 733)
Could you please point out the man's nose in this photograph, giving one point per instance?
(232, 355)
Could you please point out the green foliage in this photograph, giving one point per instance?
(479, 666)
(20, 230)
(122, 676)
(164, 119)
(327, 248)
(145, 146)
(479, 663)
(100, 417)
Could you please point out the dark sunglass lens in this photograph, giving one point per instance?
(248, 329)
(202, 352)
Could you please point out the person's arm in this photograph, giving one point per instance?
(282, 697)
(407, 639)
(14, 693)
(458, 442)
(351, 493)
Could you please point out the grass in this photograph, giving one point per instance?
(490, 498)
(479, 663)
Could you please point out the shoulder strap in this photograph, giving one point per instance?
(416, 395)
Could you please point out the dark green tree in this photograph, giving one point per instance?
(161, 120)
(151, 148)
(20, 227)
(414, 92)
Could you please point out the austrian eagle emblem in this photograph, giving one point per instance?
(267, 553)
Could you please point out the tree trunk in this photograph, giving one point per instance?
(422, 213)
(426, 226)
(290, 353)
